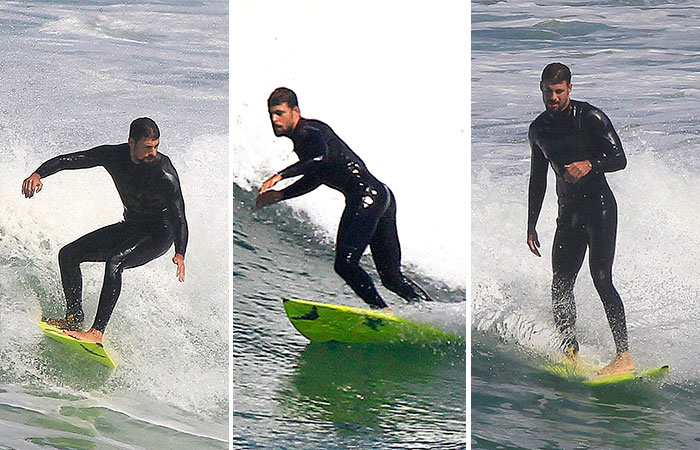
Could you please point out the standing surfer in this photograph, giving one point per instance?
(154, 218)
(580, 143)
(369, 218)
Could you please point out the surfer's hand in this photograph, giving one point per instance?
(31, 184)
(533, 242)
(267, 198)
(577, 170)
(180, 261)
(270, 182)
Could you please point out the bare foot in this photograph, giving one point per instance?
(621, 363)
(91, 335)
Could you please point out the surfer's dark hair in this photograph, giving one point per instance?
(282, 95)
(143, 127)
(556, 73)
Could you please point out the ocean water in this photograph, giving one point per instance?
(74, 75)
(638, 61)
(363, 69)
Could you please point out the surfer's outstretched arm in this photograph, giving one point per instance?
(78, 160)
(300, 187)
(303, 185)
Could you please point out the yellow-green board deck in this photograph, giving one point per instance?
(323, 322)
(584, 374)
(92, 350)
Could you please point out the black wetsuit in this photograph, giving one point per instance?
(587, 210)
(154, 218)
(369, 217)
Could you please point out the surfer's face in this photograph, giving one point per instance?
(284, 119)
(144, 150)
(555, 95)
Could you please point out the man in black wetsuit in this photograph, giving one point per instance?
(370, 208)
(154, 218)
(580, 143)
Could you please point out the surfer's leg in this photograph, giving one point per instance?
(91, 247)
(356, 227)
(602, 232)
(140, 247)
(386, 252)
(568, 251)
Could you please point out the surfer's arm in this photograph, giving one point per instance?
(78, 160)
(176, 207)
(315, 150)
(536, 191)
(300, 187)
(538, 182)
(269, 196)
(612, 156)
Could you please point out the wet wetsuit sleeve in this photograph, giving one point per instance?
(78, 160)
(176, 206)
(538, 180)
(300, 187)
(315, 150)
(612, 157)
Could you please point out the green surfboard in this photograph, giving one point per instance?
(323, 322)
(92, 350)
(584, 374)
